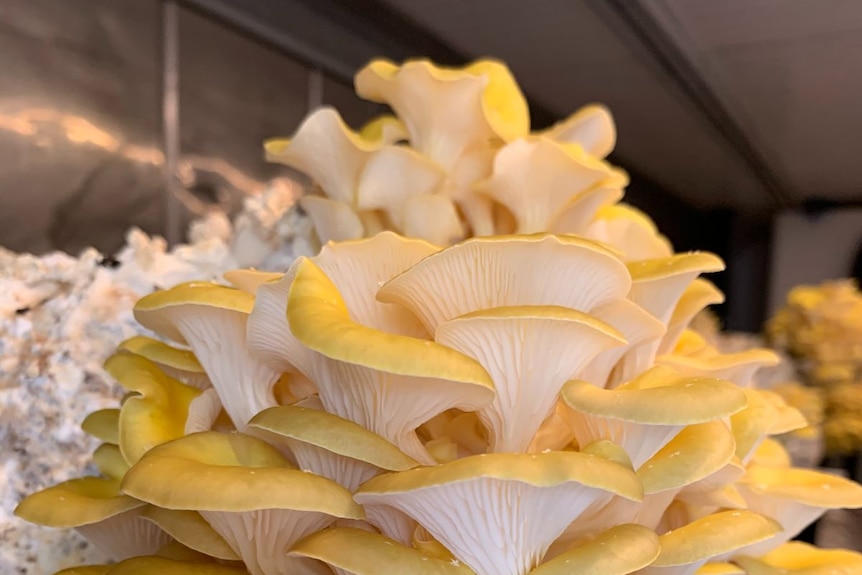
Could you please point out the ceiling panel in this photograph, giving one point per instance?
(565, 55)
(790, 72)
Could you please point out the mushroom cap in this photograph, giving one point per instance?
(154, 311)
(685, 401)
(538, 269)
(333, 433)
(319, 318)
(76, 502)
(361, 552)
(190, 529)
(104, 425)
(538, 469)
(162, 354)
(713, 536)
(242, 473)
(617, 551)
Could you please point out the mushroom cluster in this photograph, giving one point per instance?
(821, 325)
(486, 370)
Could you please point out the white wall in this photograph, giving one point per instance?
(811, 249)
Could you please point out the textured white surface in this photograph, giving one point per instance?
(61, 317)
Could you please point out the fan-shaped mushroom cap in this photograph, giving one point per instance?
(190, 529)
(359, 552)
(156, 413)
(540, 269)
(109, 461)
(147, 565)
(555, 173)
(331, 446)
(104, 425)
(447, 111)
(795, 498)
(327, 151)
(574, 218)
(592, 127)
(498, 513)
(177, 363)
(629, 231)
(798, 558)
(618, 551)
(95, 507)
(762, 416)
(687, 549)
(699, 294)
(252, 497)
(396, 382)
(529, 352)
(637, 326)
(644, 417)
(248, 280)
(739, 368)
(212, 320)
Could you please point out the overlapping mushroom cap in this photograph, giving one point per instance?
(487, 372)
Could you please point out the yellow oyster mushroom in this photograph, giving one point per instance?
(110, 462)
(738, 367)
(96, 508)
(447, 111)
(539, 269)
(331, 446)
(659, 284)
(695, 455)
(357, 269)
(246, 490)
(765, 414)
(498, 513)
(697, 296)
(397, 382)
(711, 538)
(333, 221)
(770, 453)
(147, 565)
(630, 231)
(248, 280)
(190, 529)
(591, 127)
(617, 551)
(156, 413)
(212, 321)
(103, 424)
(326, 150)
(178, 363)
(795, 498)
(529, 352)
(404, 184)
(575, 217)
(637, 326)
(85, 570)
(358, 552)
(798, 558)
(644, 419)
(555, 174)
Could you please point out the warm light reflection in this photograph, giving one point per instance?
(44, 122)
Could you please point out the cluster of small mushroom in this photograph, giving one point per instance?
(822, 327)
(525, 401)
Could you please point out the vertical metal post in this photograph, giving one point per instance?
(315, 89)
(171, 119)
